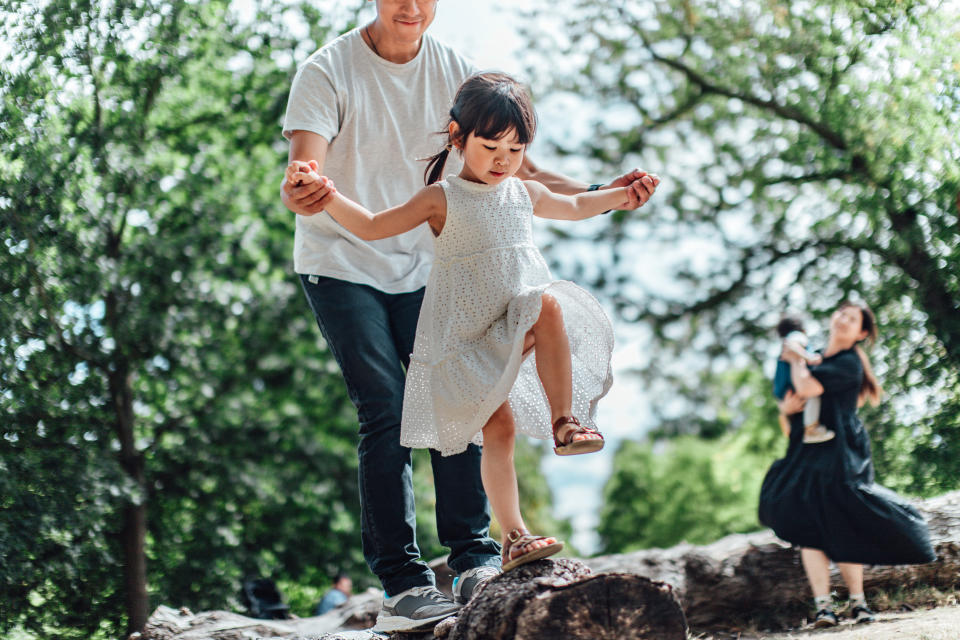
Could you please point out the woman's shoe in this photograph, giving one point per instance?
(862, 613)
(825, 618)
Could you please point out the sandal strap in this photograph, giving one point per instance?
(515, 534)
(519, 538)
(562, 420)
(578, 428)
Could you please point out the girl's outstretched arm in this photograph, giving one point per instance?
(427, 205)
(547, 204)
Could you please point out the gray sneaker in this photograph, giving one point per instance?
(467, 582)
(414, 609)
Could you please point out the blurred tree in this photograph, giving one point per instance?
(168, 422)
(690, 488)
(809, 153)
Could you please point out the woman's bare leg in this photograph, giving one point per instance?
(852, 576)
(817, 566)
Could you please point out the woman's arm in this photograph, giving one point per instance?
(804, 383)
(429, 204)
(547, 204)
(791, 404)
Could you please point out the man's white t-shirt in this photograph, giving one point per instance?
(380, 119)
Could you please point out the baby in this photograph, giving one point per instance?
(794, 338)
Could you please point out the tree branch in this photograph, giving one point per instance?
(789, 113)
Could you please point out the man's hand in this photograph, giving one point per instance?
(304, 191)
(640, 186)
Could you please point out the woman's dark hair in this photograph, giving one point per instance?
(488, 105)
(870, 388)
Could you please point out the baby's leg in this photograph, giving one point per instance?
(499, 475)
(811, 411)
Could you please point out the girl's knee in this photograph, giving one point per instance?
(550, 311)
(500, 426)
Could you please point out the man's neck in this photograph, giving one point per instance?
(382, 45)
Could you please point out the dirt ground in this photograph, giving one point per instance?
(934, 624)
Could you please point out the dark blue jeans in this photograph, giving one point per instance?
(371, 335)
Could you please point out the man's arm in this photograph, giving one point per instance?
(311, 197)
(559, 183)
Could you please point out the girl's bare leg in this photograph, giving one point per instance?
(817, 566)
(499, 475)
(549, 336)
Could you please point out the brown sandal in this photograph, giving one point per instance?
(519, 538)
(571, 447)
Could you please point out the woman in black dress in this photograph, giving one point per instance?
(822, 497)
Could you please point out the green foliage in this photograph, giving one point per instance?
(166, 401)
(693, 489)
(808, 153)
(162, 393)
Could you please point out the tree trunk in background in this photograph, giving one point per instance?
(134, 530)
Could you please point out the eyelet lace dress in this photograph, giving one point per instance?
(482, 297)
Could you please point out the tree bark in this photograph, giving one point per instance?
(564, 599)
(133, 533)
(748, 579)
(756, 579)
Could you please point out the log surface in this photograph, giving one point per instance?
(748, 579)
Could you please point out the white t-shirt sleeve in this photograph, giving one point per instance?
(313, 104)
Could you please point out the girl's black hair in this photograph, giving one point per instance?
(487, 105)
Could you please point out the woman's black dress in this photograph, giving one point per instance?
(823, 496)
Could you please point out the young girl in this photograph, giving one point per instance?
(497, 334)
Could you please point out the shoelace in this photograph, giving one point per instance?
(430, 593)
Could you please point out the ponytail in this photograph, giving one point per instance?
(435, 166)
(870, 389)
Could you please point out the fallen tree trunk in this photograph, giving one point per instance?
(750, 579)
(563, 599)
(757, 579)
(544, 599)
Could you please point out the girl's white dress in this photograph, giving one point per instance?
(482, 297)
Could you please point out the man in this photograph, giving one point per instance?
(365, 109)
(340, 593)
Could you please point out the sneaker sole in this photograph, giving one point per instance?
(401, 624)
(823, 624)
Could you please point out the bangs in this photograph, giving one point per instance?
(503, 115)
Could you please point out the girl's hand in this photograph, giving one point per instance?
(640, 186)
(791, 403)
(306, 190)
